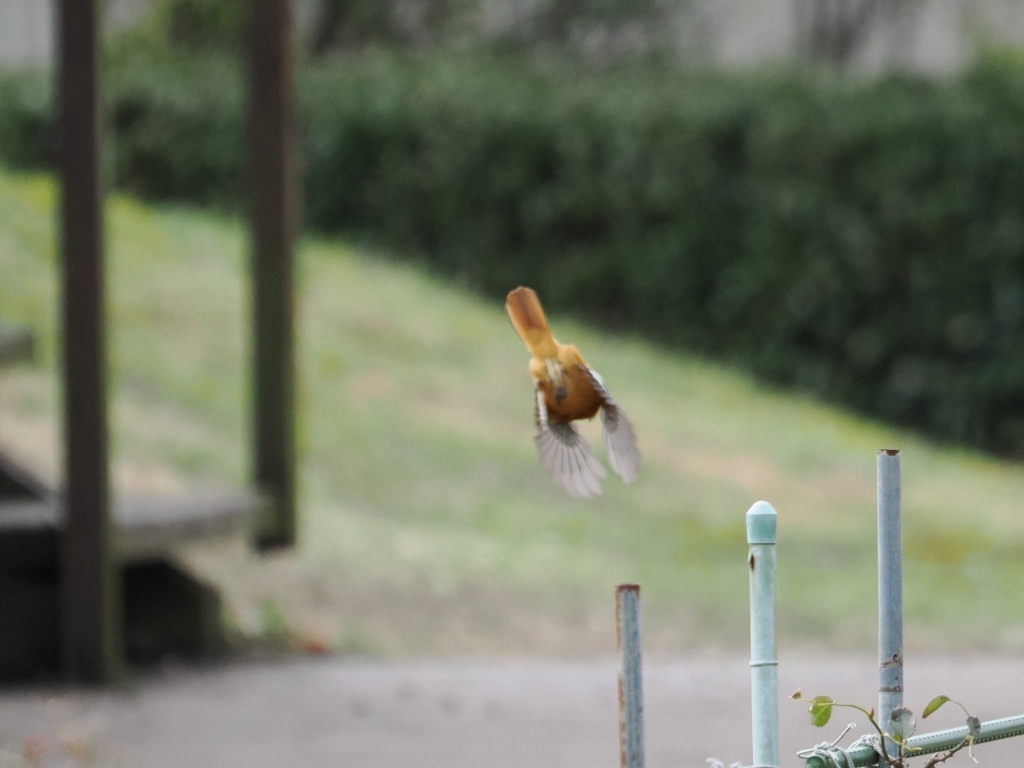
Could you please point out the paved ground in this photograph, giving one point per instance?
(452, 714)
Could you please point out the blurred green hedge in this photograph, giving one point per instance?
(861, 241)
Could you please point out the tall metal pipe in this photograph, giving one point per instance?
(764, 684)
(890, 586)
(631, 694)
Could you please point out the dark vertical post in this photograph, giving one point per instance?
(88, 595)
(271, 137)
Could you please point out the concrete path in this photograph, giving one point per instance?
(467, 714)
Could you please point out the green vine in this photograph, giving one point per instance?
(903, 727)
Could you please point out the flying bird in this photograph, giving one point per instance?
(567, 390)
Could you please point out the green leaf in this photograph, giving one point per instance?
(933, 706)
(973, 726)
(903, 724)
(821, 711)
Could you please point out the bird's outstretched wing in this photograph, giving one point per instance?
(619, 439)
(567, 455)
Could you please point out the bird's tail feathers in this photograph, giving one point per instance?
(527, 316)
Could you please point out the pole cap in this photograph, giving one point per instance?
(761, 523)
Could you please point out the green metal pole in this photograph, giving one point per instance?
(764, 684)
(925, 743)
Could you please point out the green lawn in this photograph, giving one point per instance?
(427, 522)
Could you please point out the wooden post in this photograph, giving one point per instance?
(89, 613)
(271, 113)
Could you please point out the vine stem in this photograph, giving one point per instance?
(881, 735)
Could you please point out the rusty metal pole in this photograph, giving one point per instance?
(631, 692)
(274, 205)
(89, 612)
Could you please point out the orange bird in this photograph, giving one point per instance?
(567, 389)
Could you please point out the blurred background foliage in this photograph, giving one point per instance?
(600, 29)
(860, 240)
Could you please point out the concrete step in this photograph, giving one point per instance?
(165, 609)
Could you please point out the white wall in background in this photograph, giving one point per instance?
(26, 28)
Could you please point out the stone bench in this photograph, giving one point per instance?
(165, 610)
(144, 527)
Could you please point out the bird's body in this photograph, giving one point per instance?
(567, 390)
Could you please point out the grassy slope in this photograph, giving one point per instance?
(428, 524)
